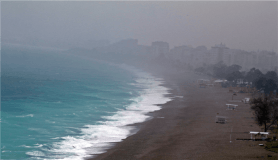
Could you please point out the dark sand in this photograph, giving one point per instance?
(188, 129)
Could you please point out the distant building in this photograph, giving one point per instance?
(218, 52)
(160, 49)
(199, 56)
(180, 53)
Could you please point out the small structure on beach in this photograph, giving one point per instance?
(203, 81)
(231, 106)
(234, 94)
(220, 119)
(263, 135)
(219, 82)
(246, 100)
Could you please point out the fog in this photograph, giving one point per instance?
(74, 58)
(240, 25)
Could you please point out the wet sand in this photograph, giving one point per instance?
(185, 128)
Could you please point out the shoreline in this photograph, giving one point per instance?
(185, 128)
(153, 96)
(154, 116)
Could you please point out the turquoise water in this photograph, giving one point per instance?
(60, 106)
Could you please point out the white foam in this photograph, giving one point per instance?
(97, 139)
(29, 115)
(48, 121)
(38, 145)
(25, 146)
(36, 154)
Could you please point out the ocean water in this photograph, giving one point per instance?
(60, 106)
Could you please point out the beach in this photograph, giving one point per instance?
(185, 127)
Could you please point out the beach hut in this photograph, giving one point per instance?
(246, 100)
(234, 94)
(262, 134)
(220, 119)
(219, 82)
(231, 106)
(239, 81)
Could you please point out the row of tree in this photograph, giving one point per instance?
(254, 77)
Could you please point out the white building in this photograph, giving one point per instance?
(217, 53)
(160, 49)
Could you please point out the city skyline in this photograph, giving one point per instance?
(244, 25)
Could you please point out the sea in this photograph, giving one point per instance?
(56, 105)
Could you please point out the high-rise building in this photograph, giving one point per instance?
(160, 48)
(218, 52)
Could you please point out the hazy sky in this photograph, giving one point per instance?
(241, 25)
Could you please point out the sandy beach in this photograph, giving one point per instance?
(185, 127)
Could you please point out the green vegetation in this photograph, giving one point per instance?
(265, 83)
(266, 111)
(272, 146)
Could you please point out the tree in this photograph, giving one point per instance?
(253, 74)
(265, 84)
(219, 70)
(233, 73)
(233, 68)
(272, 75)
(266, 111)
(234, 76)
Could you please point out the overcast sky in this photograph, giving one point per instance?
(240, 25)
